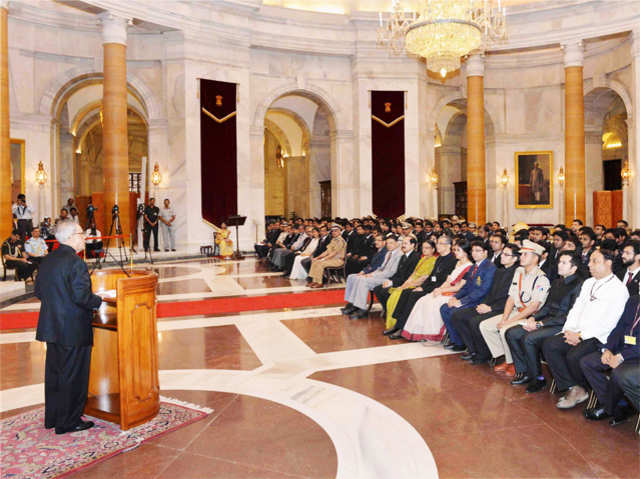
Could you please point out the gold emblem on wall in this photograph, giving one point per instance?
(387, 107)
(219, 100)
(215, 118)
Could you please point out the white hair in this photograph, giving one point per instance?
(65, 229)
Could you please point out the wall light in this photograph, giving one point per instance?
(626, 173)
(560, 176)
(504, 179)
(156, 177)
(433, 178)
(41, 175)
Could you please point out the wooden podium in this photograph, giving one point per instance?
(123, 382)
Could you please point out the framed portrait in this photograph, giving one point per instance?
(534, 179)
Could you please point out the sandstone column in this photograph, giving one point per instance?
(114, 129)
(476, 178)
(5, 145)
(574, 189)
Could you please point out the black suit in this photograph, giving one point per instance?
(64, 288)
(633, 285)
(321, 248)
(443, 266)
(466, 321)
(406, 266)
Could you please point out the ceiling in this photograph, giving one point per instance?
(348, 6)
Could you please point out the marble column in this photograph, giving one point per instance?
(574, 189)
(476, 176)
(114, 129)
(5, 141)
(633, 189)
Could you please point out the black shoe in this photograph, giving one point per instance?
(156, 250)
(47, 426)
(166, 249)
(596, 414)
(457, 347)
(390, 331)
(396, 335)
(621, 414)
(448, 346)
(81, 426)
(479, 360)
(520, 378)
(536, 385)
(358, 314)
(348, 309)
(467, 356)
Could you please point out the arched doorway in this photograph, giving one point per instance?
(606, 143)
(298, 156)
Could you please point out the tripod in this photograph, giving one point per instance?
(115, 225)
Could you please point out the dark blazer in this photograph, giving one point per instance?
(477, 284)
(442, 268)
(550, 269)
(615, 341)
(634, 285)
(562, 295)
(376, 261)
(272, 236)
(322, 245)
(354, 244)
(64, 288)
(496, 260)
(499, 292)
(367, 247)
(405, 268)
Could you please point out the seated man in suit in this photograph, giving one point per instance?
(407, 264)
(332, 257)
(376, 262)
(477, 284)
(497, 243)
(361, 250)
(15, 258)
(466, 321)
(595, 313)
(444, 265)
(325, 239)
(358, 286)
(279, 255)
(273, 232)
(525, 341)
(527, 294)
(629, 272)
(620, 359)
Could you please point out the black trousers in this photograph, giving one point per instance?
(627, 376)
(354, 266)
(306, 264)
(564, 360)
(261, 250)
(66, 384)
(406, 302)
(288, 263)
(146, 240)
(466, 322)
(608, 388)
(383, 295)
(23, 270)
(525, 347)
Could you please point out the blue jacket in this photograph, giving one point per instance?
(477, 284)
(376, 261)
(615, 341)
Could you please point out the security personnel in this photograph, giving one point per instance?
(24, 216)
(332, 257)
(151, 213)
(528, 292)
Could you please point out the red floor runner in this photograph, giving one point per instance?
(24, 320)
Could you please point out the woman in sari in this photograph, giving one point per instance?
(420, 273)
(425, 322)
(298, 271)
(223, 240)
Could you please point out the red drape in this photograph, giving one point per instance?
(387, 153)
(218, 150)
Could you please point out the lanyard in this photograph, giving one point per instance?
(636, 320)
(521, 293)
(592, 293)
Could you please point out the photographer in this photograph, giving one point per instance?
(151, 213)
(93, 242)
(24, 216)
(91, 213)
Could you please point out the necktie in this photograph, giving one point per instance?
(474, 271)
(386, 260)
(630, 277)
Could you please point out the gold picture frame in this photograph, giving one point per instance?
(534, 179)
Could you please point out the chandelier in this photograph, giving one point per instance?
(443, 31)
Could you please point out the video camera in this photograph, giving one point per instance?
(115, 210)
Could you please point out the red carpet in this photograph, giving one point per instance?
(24, 320)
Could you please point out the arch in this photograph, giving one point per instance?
(620, 90)
(317, 94)
(306, 136)
(75, 76)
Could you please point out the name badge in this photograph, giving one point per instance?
(631, 340)
(433, 279)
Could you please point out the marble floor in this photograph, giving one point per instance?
(304, 392)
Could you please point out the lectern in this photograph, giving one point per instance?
(123, 380)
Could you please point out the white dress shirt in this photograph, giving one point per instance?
(22, 212)
(598, 308)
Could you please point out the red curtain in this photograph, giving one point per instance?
(387, 153)
(218, 150)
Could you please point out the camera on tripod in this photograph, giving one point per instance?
(115, 210)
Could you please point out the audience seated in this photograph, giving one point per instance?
(360, 250)
(359, 285)
(332, 257)
(15, 258)
(272, 235)
(593, 316)
(93, 242)
(325, 239)
(293, 267)
(628, 273)
(35, 248)
(279, 255)
(614, 370)
(525, 340)
(466, 321)
(406, 266)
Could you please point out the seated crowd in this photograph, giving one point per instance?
(567, 297)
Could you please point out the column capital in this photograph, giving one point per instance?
(573, 54)
(114, 28)
(4, 4)
(475, 66)
(635, 41)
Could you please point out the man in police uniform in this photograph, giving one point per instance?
(332, 257)
(24, 216)
(527, 294)
(151, 213)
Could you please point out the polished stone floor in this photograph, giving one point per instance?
(306, 393)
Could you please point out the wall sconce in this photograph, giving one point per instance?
(41, 175)
(561, 176)
(504, 179)
(626, 173)
(156, 177)
(433, 178)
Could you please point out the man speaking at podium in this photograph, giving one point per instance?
(64, 288)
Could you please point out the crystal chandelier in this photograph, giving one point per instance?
(443, 31)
